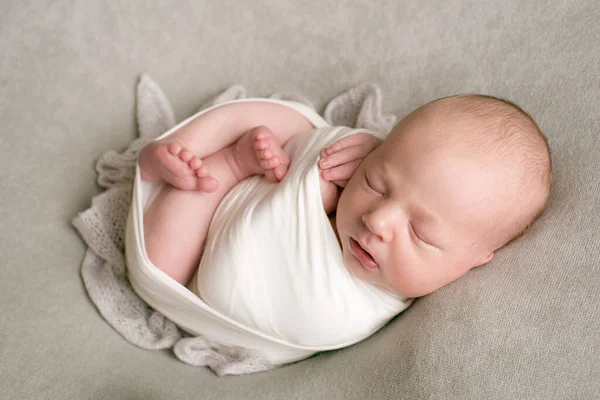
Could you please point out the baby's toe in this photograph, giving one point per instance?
(202, 172)
(207, 184)
(195, 163)
(186, 155)
(261, 132)
(280, 171)
(261, 144)
(270, 164)
(174, 148)
(266, 154)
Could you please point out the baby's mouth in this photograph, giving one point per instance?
(363, 256)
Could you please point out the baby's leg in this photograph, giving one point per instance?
(211, 132)
(176, 223)
(172, 161)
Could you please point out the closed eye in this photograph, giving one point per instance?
(370, 185)
(412, 228)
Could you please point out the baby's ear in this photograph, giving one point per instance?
(487, 259)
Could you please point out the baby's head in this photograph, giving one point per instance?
(453, 182)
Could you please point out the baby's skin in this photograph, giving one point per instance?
(412, 213)
(255, 153)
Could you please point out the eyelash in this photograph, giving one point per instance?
(371, 186)
(411, 225)
(417, 236)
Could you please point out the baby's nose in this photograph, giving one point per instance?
(380, 225)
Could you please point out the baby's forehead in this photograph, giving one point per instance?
(441, 136)
(385, 156)
(451, 172)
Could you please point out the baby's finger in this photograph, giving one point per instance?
(342, 172)
(348, 141)
(341, 184)
(342, 157)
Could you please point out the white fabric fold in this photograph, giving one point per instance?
(271, 277)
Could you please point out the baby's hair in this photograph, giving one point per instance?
(512, 134)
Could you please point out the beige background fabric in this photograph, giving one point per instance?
(524, 326)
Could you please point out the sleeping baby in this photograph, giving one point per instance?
(316, 236)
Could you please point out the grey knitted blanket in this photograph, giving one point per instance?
(102, 227)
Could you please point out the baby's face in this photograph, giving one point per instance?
(417, 213)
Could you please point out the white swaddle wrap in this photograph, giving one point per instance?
(271, 276)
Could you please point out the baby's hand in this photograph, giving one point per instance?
(340, 160)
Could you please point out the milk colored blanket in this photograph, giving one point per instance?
(230, 343)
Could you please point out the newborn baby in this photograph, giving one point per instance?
(453, 182)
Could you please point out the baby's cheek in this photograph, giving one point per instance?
(402, 276)
(341, 211)
(350, 198)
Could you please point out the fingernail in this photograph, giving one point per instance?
(324, 163)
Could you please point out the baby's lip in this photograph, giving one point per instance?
(363, 255)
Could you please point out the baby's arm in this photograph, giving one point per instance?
(338, 163)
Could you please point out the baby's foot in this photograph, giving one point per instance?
(259, 153)
(170, 161)
(270, 155)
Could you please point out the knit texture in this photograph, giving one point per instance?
(102, 226)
